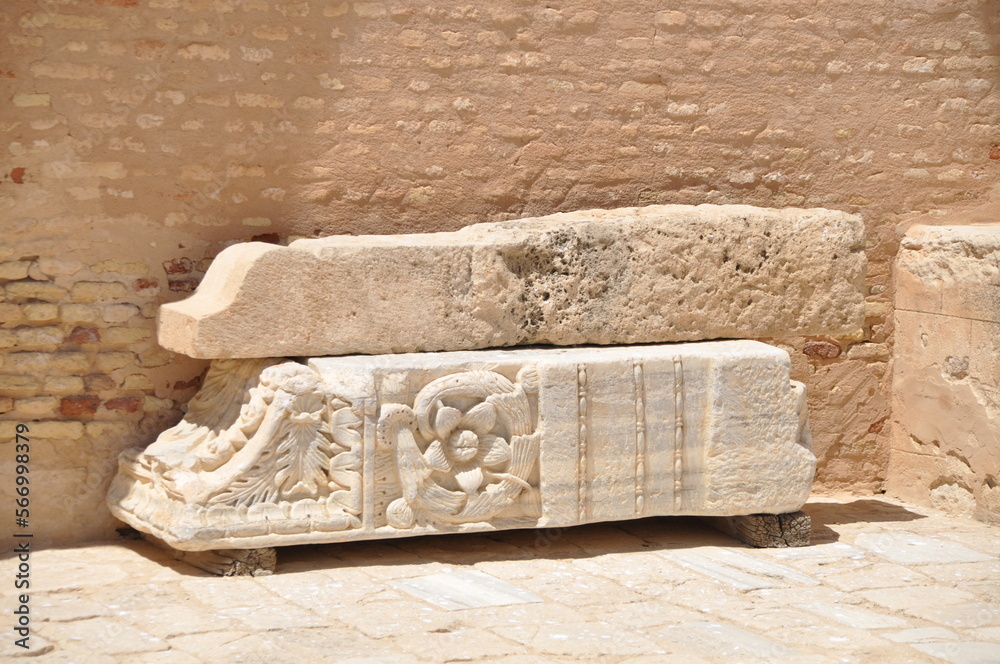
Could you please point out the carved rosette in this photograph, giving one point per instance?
(265, 447)
(464, 451)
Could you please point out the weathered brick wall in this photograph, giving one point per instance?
(142, 136)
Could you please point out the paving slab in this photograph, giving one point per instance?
(963, 653)
(907, 549)
(465, 589)
(618, 593)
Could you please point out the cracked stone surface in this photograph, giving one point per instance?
(651, 590)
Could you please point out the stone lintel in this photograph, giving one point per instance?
(633, 275)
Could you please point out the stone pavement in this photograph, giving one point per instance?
(883, 582)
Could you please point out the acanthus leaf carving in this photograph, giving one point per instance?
(291, 449)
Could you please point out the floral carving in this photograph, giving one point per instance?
(464, 451)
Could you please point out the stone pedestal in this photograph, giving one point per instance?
(275, 452)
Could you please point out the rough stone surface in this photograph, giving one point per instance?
(634, 275)
(946, 383)
(366, 447)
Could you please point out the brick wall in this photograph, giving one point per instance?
(141, 137)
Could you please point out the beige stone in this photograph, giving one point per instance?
(634, 275)
(362, 447)
(946, 382)
(98, 291)
(41, 313)
(14, 269)
(34, 290)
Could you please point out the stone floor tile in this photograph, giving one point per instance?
(573, 586)
(591, 639)
(112, 636)
(204, 644)
(737, 569)
(961, 616)
(501, 618)
(228, 592)
(465, 589)
(973, 536)
(643, 571)
(799, 629)
(324, 592)
(923, 635)
(645, 614)
(71, 657)
(385, 659)
(134, 594)
(37, 645)
(898, 599)
(985, 634)
(817, 553)
(471, 548)
(324, 644)
(160, 657)
(989, 592)
(398, 615)
(178, 619)
(967, 652)
(460, 645)
(385, 573)
(358, 555)
(908, 549)
(279, 614)
(716, 639)
(877, 575)
(854, 616)
(62, 607)
(964, 572)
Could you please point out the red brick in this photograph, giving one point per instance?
(84, 404)
(823, 349)
(183, 285)
(126, 404)
(178, 266)
(146, 286)
(83, 335)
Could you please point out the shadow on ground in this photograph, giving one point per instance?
(650, 534)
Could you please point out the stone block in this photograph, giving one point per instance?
(946, 377)
(20, 291)
(275, 452)
(634, 275)
(14, 270)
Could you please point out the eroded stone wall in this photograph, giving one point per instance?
(142, 137)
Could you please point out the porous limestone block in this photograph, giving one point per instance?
(275, 452)
(946, 376)
(633, 275)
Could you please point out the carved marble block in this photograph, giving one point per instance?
(662, 273)
(275, 452)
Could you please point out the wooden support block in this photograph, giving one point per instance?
(766, 531)
(224, 562)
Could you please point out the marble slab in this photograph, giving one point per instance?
(274, 452)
